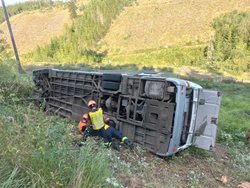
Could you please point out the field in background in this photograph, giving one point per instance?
(164, 23)
(34, 28)
(175, 36)
(27, 6)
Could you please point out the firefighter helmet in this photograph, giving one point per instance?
(91, 103)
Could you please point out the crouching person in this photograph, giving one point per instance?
(94, 124)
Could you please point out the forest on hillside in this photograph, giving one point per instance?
(228, 50)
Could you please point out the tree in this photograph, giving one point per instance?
(231, 35)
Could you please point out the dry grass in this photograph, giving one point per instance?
(36, 27)
(162, 23)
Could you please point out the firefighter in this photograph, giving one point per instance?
(95, 124)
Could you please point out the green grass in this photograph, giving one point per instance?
(234, 121)
(172, 56)
(40, 151)
(235, 109)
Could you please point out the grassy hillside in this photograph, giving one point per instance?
(163, 35)
(40, 151)
(79, 41)
(38, 27)
(226, 54)
(161, 23)
(26, 6)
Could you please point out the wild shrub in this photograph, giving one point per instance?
(232, 36)
(38, 151)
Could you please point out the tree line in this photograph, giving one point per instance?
(26, 6)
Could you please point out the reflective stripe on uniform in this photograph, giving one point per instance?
(106, 126)
(97, 119)
(107, 144)
(124, 138)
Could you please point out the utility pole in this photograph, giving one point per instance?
(20, 69)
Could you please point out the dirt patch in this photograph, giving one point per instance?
(130, 181)
(188, 168)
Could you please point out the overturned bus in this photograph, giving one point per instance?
(164, 115)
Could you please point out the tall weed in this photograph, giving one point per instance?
(39, 151)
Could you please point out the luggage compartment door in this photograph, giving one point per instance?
(207, 119)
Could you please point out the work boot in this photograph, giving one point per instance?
(82, 143)
(115, 146)
(128, 143)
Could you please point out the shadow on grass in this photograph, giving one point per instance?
(99, 67)
(187, 74)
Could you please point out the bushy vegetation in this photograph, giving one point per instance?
(232, 36)
(26, 6)
(228, 53)
(7, 67)
(79, 42)
(39, 151)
